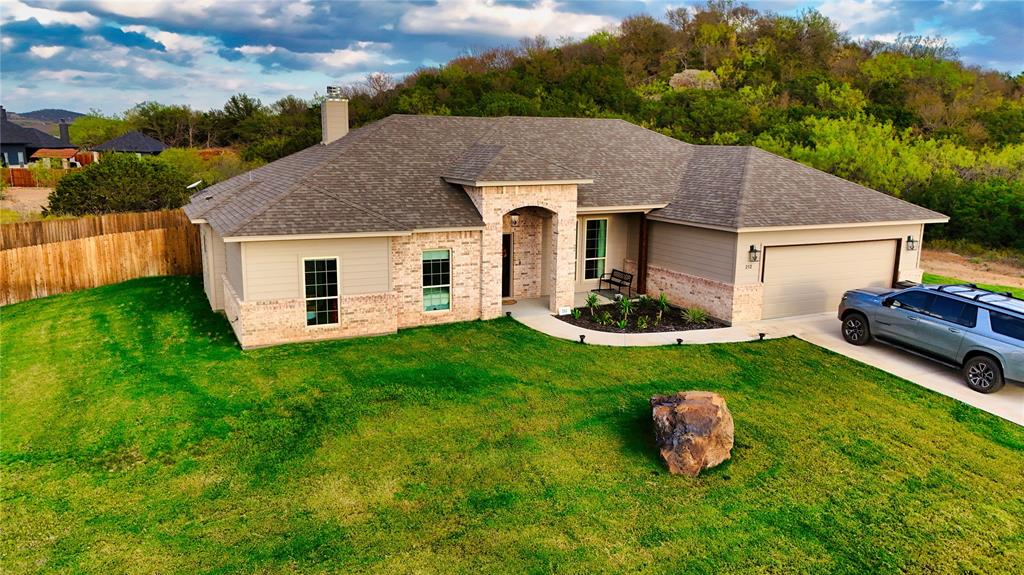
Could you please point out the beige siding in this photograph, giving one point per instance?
(273, 268)
(616, 248)
(909, 261)
(214, 266)
(695, 251)
(233, 266)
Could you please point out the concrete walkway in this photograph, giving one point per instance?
(819, 329)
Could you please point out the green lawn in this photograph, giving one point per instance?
(137, 438)
(935, 279)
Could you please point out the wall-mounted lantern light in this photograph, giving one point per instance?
(911, 243)
(754, 254)
(515, 219)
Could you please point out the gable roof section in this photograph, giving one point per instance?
(397, 174)
(136, 142)
(737, 187)
(11, 133)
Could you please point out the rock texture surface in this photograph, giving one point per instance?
(693, 430)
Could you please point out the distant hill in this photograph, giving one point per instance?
(44, 120)
(53, 115)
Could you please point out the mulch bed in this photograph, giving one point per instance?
(671, 320)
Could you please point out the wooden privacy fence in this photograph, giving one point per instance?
(22, 177)
(43, 258)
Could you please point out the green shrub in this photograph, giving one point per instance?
(592, 304)
(575, 313)
(120, 183)
(625, 306)
(43, 175)
(695, 315)
(642, 323)
(622, 324)
(604, 318)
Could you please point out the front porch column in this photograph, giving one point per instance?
(490, 269)
(563, 245)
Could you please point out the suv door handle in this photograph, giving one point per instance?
(954, 330)
(911, 318)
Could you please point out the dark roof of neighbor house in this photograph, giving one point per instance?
(11, 133)
(391, 176)
(132, 142)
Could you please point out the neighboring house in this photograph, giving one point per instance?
(417, 220)
(132, 143)
(18, 143)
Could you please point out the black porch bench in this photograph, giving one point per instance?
(619, 279)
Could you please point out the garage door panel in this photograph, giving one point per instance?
(812, 278)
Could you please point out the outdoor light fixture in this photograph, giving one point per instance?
(911, 243)
(754, 254)
(508, 314)
(760, 336)
(583, 337)
(679, 341)
(515, 219)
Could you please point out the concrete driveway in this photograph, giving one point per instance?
(823, 330)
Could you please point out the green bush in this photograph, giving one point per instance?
(988, 212)
(120, 183)
(695, 315)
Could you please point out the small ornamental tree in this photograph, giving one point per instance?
(120, 183)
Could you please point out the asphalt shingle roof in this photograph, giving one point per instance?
(134, 142)
(11, 133)
(389, 176)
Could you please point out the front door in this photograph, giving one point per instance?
(506, 265)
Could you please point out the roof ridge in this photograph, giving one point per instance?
(309, 174)
(542, 158)
(741, 194)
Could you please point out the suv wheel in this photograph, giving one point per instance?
(983, 374)
(856, 330)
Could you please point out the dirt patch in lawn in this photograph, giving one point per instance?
(954, 265)
(671, 319)
(26, 201)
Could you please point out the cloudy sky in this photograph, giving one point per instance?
(111, 54)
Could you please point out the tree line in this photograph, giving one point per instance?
(904, 117)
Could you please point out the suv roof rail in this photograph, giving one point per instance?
(1005, 296)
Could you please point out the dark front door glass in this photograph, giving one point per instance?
(506, 265)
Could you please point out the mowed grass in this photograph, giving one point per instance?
(936, 279)
(137, 438)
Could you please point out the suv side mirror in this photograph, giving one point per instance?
(887, 302)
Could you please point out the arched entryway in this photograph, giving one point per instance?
(527, 253)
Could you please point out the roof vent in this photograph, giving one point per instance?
(333, 92)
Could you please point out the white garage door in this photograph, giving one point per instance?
(807, 279)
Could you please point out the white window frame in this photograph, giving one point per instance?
(423, 288)
(337, 279)
(585, 259)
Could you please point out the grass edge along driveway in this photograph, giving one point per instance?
(138, 438)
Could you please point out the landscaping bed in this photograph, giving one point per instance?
(644, 315)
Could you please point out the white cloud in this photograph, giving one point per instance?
(256, 50)
(356, 55)
(854, 14)
(20, 11)
(175, 42)
(45, 52)
(510, 21)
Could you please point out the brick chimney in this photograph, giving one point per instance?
(65, 131)
(333, 116)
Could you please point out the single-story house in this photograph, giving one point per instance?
(18, 143)
(132, 143)
(417, 220)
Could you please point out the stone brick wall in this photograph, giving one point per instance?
(686, 290)
(407, 276)
(271, 322)
(747, 302)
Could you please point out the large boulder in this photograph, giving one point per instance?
(693, 430)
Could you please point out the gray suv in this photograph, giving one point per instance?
(975, 330)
